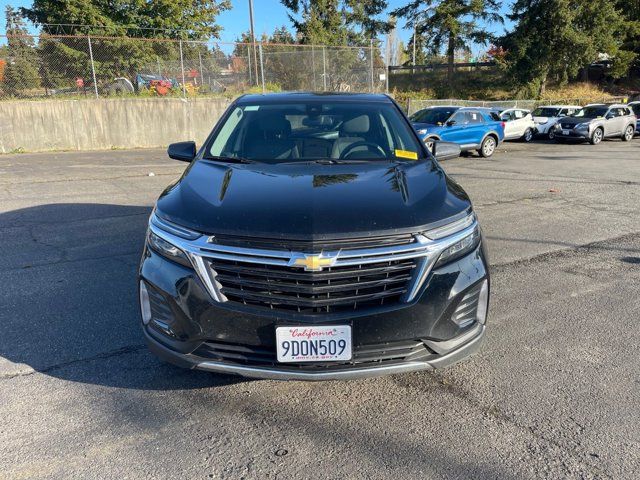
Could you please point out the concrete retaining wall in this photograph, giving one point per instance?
(105, 123)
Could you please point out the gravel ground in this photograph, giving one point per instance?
(554, 392)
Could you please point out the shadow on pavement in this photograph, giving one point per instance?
(70, 297)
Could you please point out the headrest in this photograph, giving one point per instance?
(275, 124)
(356, 125)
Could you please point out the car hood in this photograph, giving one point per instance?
(543, 119)
(574, 120)
(429, 126)
(310, 201)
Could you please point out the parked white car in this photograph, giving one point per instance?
(547, 116)
(518, 124)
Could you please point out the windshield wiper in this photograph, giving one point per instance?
(231, 159)
(325, 161)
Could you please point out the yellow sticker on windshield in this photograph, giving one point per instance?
(406, 154)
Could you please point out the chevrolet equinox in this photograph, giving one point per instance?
(313, 237)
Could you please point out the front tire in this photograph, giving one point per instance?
(528, 135)
(598, 135)
(628, 133)
(551, 134)
(487, 147)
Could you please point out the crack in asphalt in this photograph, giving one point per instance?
(97, 179)
(511, 201)
(532, 177)
(100, 356)
(62, 261)
(77, 220)
(499, 415)
(564, 252)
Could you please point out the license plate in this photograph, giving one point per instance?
(565, 132)
(313, 344)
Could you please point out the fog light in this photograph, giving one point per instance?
(483, 302)
(145, 306)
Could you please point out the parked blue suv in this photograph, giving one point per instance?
(472, 128)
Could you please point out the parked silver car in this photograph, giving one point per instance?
(596, 122)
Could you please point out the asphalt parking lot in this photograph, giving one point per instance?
(554, 392)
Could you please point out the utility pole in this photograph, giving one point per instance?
(253, 39)
(415, 31)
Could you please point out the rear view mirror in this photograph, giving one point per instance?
(183, 151)
(445, 150)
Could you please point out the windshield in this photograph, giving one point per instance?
(434, 116)
(592, 112)
(546, 112)
(316, 130)
(636, 108)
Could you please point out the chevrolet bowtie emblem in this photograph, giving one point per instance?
(314, 263)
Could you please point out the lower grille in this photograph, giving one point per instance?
(335, 289)
(363, 355)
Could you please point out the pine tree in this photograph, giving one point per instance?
(337, 22)
(21, 72)
(450, 25)
(554, 39)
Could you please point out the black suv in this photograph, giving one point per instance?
(313, 236)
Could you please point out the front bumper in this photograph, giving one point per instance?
(463, 347)
(572, 134)
(543, 128)
(434, 317)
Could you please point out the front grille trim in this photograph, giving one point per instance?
(423, 252)
(359, 279)
(363, 355)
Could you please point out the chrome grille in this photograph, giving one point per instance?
(335, 289)
(321, 277)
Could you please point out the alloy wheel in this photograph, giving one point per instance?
(488, 147)
(597, 136)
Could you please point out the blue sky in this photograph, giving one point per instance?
(268, 14)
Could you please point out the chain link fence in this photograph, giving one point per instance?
(72, 66)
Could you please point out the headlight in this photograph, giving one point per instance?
(582, 126)
(460, 248)
(166, 249)
(423, 131)
(451, 228)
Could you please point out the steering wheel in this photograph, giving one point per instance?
(372, 147)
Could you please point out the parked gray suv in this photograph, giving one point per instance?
(595, 122)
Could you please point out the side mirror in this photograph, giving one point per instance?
(183, 151)
(450, 123)
(445, 150)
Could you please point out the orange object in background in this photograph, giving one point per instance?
(3, 65)
(161, 87)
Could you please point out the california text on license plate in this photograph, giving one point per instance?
(314, 344)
